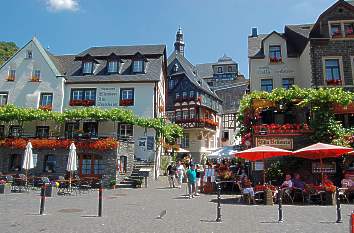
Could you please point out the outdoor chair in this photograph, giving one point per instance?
(286, 195)
(343, 194)
(298, 193)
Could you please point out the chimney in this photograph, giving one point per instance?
(254, 32)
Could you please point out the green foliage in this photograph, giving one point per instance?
(320, 101)
(274, 172)
(7, 49)
(11, 113)
(165, 161)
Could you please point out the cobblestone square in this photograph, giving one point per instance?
(136, 210)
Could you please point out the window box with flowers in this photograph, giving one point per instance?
(48, 107)
(334, 82)
(34, 79)
(85, 103)
(10, 78)
(126, 102)
(275, 60)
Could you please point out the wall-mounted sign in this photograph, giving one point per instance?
(282, 143)
(107, 97)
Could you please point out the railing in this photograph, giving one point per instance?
(282, 129)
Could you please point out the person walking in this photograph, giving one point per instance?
(180, 173)
(171, 172)
(198, 175)
(192, 179)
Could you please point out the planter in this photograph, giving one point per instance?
(268, 197)
(5, 188)
(50, 191)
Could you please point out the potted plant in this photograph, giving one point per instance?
(138, 183)
(4, 188)
(113, 183)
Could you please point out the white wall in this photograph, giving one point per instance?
(24, 93)
(305, 68)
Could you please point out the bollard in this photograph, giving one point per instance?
(218, 209)
(351, 223)
(280, 206)
(100, 200)
(41, 209)
(146, 181)
(339, 214)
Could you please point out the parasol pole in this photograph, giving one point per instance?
(69, 180)
(321, 167)
(264, 179)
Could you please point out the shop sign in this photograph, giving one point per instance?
(340, 109)
(282, 143)
(107, 97)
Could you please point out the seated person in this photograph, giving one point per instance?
(347, 182)
(247, 188)
(328, 184)
(287, 184)
(297, 182)
(243, 174)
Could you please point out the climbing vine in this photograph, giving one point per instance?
(319, 101)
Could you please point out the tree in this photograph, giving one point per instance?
(7, 49)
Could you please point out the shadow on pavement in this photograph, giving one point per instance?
(208, 221)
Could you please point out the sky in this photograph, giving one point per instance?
(211, 28)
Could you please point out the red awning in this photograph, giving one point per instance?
(321, 151)
(261, 153)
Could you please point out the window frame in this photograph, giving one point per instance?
(109, 67)
(343, 33)
(46, 161)
(324, 70)
(185, 141)
(288, 86)
(11, 75)
(270, 53)
(268, 79)
(135, 67)
(44, 133)
(84, 69)
(7, 98)
(29, 54)
(220, 70)
(126, 130)
(42, 97)
(84, 93)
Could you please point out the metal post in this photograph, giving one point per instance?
(218, 209)
(100, 200)
(280, 206)
(41, 209)
(339, 214)
(146, 181)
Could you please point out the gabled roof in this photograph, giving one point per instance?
(206, 70)
(189, 73)
(124, 50)
(42, 51)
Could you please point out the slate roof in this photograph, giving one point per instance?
(255, 44)
(189, 73)
(71, 67)
(302, 29)
(206, 70)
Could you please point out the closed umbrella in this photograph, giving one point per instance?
(262, 153)
(321, 151)
(28, 159)
(72, 161)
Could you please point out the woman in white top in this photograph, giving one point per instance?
(180, 173)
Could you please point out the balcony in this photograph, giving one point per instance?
(197, 123)
(85, 103)
(286, 129)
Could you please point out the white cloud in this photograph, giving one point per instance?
(62, 5)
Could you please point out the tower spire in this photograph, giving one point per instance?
(179, 43)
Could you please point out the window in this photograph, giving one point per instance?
(112, 66)
(15, 162)
(178, 115)
(171, 84)
(192, 113)
(42, 131)
(46, 99)
(86, 165)
(175, 68)
(125, 131)
(225, 135)
(90, 129)
(185, 114)
(275, 53)
(336, 30)
(29, 54)
(333, 74)
(185, 141)
(126, 97)
(349, 29)
(219, 69)
(49, 164)
(15, 131)
(12, 75)
(98, 167)
(267, 85)
(83, 97)
(3, 98)
(71, 128)
(184, 94)
(191, 94)
(229, 69)
(138, 66)
(228, 121)
(288, 83)
(87, 68)
(177, 95)
(210, 84)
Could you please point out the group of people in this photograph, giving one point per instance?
(177, 173)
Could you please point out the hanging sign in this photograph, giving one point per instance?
(282, 143)
(107, 97)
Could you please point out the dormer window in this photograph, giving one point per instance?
(113, 67)
(175, 68)
(138, 66)
(275, 54)
(219, 69)
(29, 54)
(349, 29)
(229, 69)
(336, 30)
(87, 68)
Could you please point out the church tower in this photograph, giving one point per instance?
(179, 44)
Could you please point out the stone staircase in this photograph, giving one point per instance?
(134, 179)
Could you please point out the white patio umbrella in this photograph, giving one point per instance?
(72, 161)
(28, 159)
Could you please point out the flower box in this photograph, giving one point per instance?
(334, 82)
(275, 60)
(82, 102)
(337, 35)
(34, 79)
(10, 78)
(46, 107)
(126, 102)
